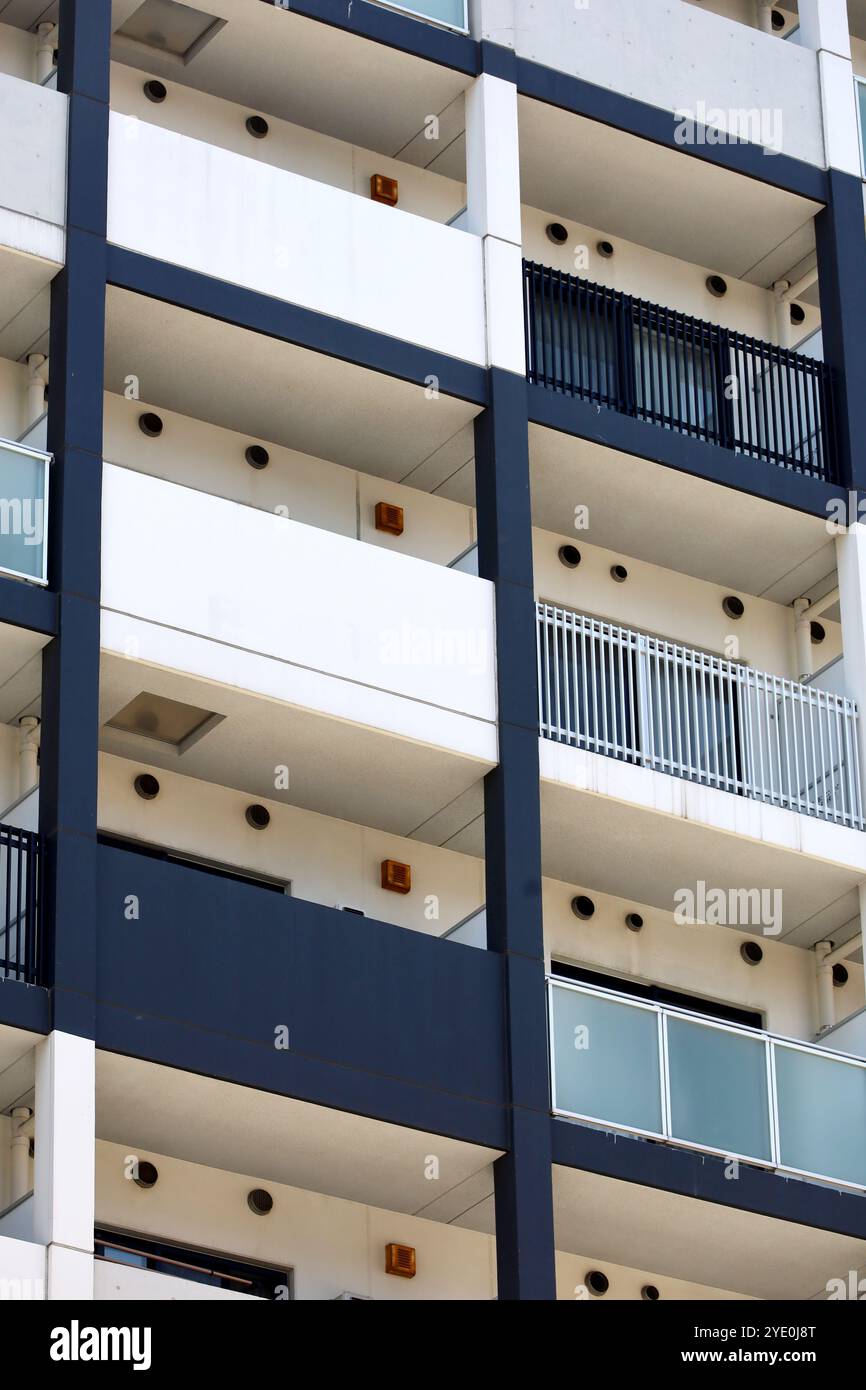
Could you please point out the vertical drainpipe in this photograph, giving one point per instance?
(764, 15)
(28, 753)
(37, 365)
(783, 313)
(826, 1006)
(803, 633)
(19, 1155)
(46, 42)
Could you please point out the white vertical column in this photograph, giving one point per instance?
(824, 28)
(493, 213)
(65, 1157)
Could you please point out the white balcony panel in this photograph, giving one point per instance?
(661, 794)
(32, 169)
(124, 1283)
(280, 234)
(706, 63)
(22, 1270)
(263, 604)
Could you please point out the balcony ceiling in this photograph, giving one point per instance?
(301, 70)
(26, 14)
(159, 1110)
(351, 771)
(25, 303)
(20, 672)
(584, 832)
(661, 1233)
(857, 18)
(283, 394)
(658, 514)
(660, 198)
(701, 1241)
(16, 1066)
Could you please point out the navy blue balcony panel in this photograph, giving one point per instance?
(20, 905)
(680, 373)
(229, 979)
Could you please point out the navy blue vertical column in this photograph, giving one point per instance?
(70, 668)
(523, 1177)
(841, 246)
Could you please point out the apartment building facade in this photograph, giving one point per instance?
(432, 650)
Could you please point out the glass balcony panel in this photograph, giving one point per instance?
(822, 1114)
(23, 512)
(719, 1093)
(606, 1060)
(861, 111)
(449, 12)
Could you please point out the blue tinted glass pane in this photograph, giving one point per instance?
(822, 1114)
(23, 517)
(861, 98)
(719, 1092)
(443, 11)
(606, 1060)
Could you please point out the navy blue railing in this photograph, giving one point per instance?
(679, 372)
(20, 904)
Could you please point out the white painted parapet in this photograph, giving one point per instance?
(265, 604)
(32, 169)
(234, 218)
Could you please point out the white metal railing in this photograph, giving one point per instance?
(717, 1087)
(676, 710)
(24, 475)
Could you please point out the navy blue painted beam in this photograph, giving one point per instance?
(290, 323)
(702, 1176)
(25, 1006)
(381, 1020)
(642, 439)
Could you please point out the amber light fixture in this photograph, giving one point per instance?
(396, 877)
(389, 518)
(384, 190)
(400, 1259)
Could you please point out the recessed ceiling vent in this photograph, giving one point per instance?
(177, 32)
(164, 721)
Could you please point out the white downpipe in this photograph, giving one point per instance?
(19, 1155)
(783, 312)
(28, 753)
(803, 633)
(826, 1005)
(801, 286)
(765, 15)
(46, 43)
(37, 364)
